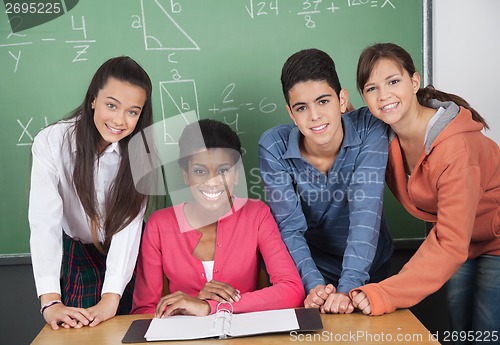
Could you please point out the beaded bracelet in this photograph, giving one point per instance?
(50, 304)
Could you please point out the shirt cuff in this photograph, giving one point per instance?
(311, 285)
(45, 285)
(113, 285)
(343, 288)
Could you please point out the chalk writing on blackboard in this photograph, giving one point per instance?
(177, 97)
(229, 103)
(309, 9)
(166, 33)
(26, 137)
(230, 108)
(371, 3)
(262, 8)
(80, 42)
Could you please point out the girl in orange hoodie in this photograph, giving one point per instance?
(443, 170)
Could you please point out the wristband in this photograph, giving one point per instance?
(50, 304)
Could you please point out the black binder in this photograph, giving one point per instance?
(308, 320)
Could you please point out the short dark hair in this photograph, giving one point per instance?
(215, 134)
(309, 65)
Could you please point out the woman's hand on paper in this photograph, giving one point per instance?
(180, 303)
(318, 295)
(360, 300)
(219, 291)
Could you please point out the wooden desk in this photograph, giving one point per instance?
(400, 327)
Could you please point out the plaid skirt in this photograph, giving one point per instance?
(82, 276)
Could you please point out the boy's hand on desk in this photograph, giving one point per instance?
(67, 317)
(318, 295)
(105, 309)
(338, 303)
(361, 301)
(180, 303)
(219, 291)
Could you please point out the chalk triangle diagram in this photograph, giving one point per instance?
(161, 31)
(177, 97)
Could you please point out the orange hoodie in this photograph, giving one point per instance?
(456, 186)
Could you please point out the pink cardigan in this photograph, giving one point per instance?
(167, 249)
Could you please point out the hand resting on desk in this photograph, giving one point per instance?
(219, 292)
(56, 314)
(361, 301)
(66, 317)
(71, 317)
(328, 300)
(105, 309)
(318, 295)
(180, 303)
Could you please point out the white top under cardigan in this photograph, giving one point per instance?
(208, 266)
(54, 206)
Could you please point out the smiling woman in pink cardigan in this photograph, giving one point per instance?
(209, 247)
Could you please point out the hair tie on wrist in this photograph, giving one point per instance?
(50, 304)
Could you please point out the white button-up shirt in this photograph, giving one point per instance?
(54, 207)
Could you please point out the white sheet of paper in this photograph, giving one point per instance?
(182, 327)
(263, 322)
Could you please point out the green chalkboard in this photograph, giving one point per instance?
(221, 58)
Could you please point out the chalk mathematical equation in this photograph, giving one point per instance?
(232, 108)
(29, 129)
(181, 96)
(80, 42)
(309, 8)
